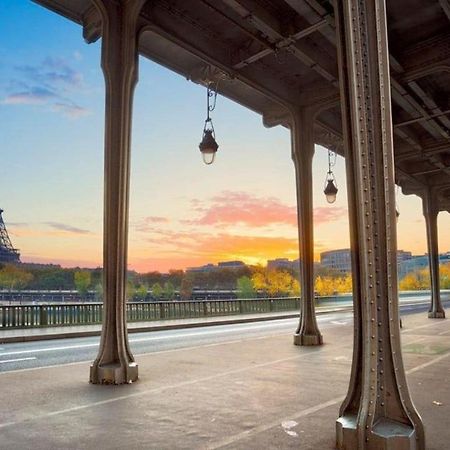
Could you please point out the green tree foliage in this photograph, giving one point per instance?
(99, 292)
(245, 288)
(82, 280)
(13, 277)
(141, 292)
(169, 291)
(157, 291)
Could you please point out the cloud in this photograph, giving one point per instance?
(179, 250)
(231, 208)
(67, 228)
(325, 214)
(48, 84)
(52, 71)
(70, 110)
(146, 224)
(34, 96)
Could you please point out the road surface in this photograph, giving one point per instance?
(19, 356)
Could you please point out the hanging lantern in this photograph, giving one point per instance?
(330, 189)
(209, 146)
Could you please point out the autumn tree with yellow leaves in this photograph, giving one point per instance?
(420, 279)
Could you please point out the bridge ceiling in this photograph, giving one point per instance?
(272, 55)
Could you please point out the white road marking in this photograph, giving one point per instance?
(16, 360)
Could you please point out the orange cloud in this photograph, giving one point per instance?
(231, 208)
(172, 250)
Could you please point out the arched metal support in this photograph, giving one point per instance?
(302, 138)
(377, 412)
(430, 212)
(115, 363)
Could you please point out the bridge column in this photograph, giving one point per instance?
(302, 138)
(115, 363)
(377, 412)
(430, 212)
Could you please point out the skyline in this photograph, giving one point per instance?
(182, 213)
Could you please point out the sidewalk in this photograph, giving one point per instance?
(38, 334)
(248, 394)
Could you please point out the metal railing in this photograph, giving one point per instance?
(33, 316)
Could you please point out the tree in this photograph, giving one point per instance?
(13, 277)
(445, 276)
(99, 292)
(157, 291)
(186, 288)
(141, 292)
(324, 286)
(275, 283)
(259, 279)
(245, 288)
(82, 280)
(169, 290)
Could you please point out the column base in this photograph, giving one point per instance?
(308, 339)
(436, 314)
(113, 373)
(386, 434)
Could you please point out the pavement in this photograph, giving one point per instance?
(250, 392)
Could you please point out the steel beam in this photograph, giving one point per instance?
(430, 212)
(115, 363)
(302, 138)
(378, 412)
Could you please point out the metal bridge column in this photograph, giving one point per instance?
(430, 212)
(115, 363)
(302, 138)
(377, 412)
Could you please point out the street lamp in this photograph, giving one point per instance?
(209, 146)
(330, 189)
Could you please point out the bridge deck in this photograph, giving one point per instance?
(245, 394)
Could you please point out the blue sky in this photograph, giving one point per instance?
(181, 212)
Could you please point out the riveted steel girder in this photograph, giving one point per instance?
(378, 412)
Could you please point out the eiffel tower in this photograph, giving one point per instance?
(8, 254)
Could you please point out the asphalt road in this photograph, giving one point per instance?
(19, 356)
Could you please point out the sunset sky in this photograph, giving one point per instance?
(182, 212)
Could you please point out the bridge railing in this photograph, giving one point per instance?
(33, 316)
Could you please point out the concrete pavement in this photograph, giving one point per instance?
(251, 393)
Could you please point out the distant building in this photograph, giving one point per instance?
(403, 256)
(339, 260)
(282, 264)
(202, 269)
(231, 265)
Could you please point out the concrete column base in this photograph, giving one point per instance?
(436, 314)
(114, 373)
(386, 434)
(308, 339)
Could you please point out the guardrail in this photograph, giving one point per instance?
(34, 316)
